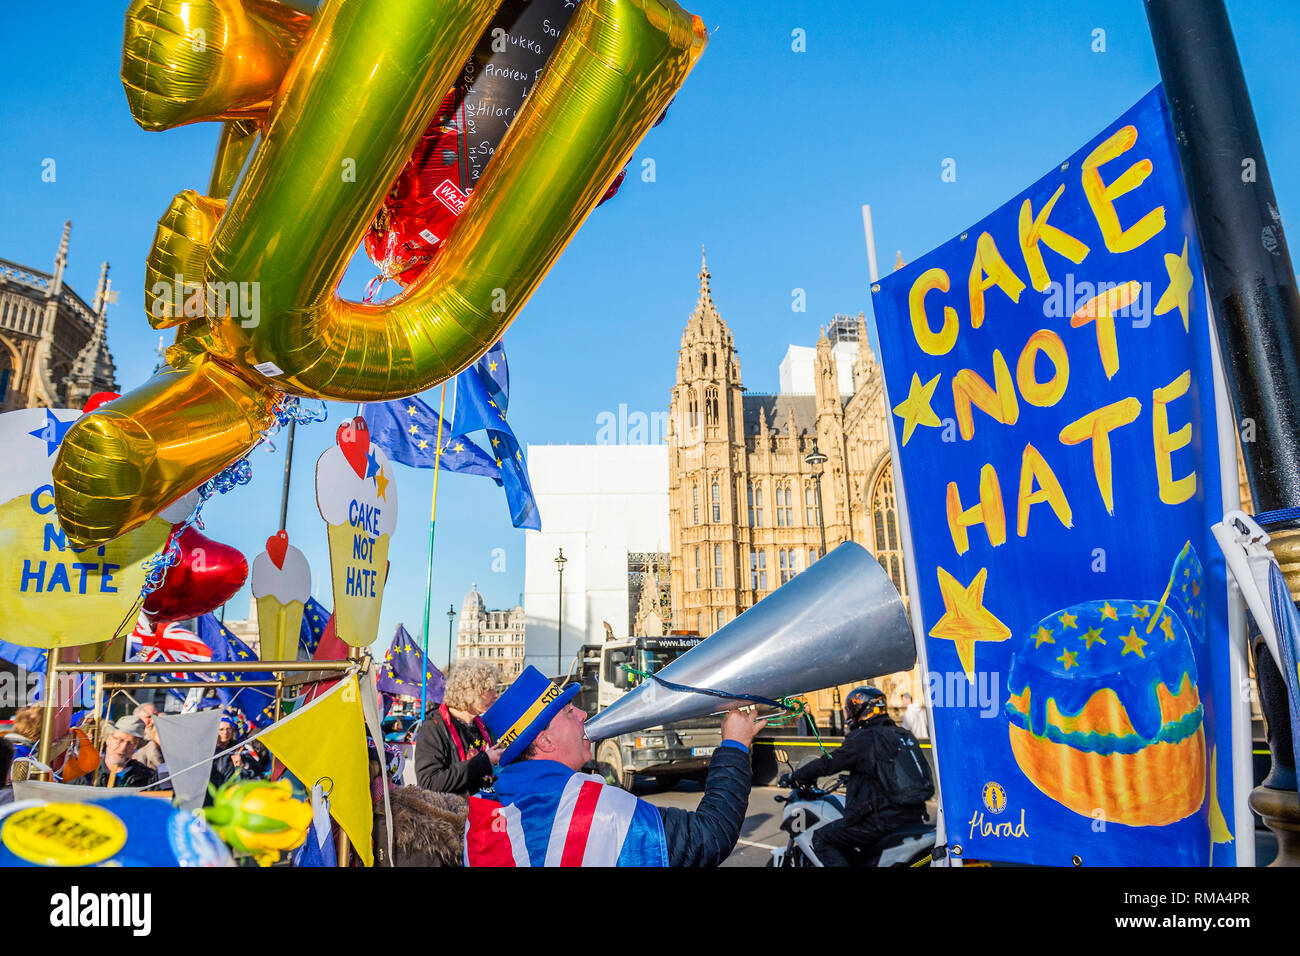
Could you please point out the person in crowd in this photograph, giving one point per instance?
(119, 768)
(150, 754)
(875, 751)
(26, 731)
(454, 752)
(6, 758)
(555, 815)
(226, 766)
(914, 721)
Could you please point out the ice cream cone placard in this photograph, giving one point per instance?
(357, 496)
(51, 595)
(281, 583)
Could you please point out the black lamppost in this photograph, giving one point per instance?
(1252, 290)
(451, 616)
(560, 561)
(816, 461)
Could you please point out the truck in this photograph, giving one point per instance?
(608, 671)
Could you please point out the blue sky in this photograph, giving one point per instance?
(765, 158)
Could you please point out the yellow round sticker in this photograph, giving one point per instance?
(63, 834)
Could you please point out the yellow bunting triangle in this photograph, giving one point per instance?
(325, 743)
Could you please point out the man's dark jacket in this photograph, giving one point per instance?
(857, 755)
(437, 764)
(132, 774)
(707, 835)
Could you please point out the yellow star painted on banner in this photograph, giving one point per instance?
(915, 409)
(965, 618)
(1092, 636)
(1043, 636)
(495, 442)
(410, 409)
(1133, 643)
(1180, 285)
(423, 444)
(1167, 625)
(492, 366)
(1069, 659)
(381, 485)
(1067, 620)
(498, 462)
(414, 430)
(1109, 612)
(1142, 611)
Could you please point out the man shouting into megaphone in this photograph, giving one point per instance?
(546, 812)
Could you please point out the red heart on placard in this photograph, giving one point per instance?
(276, 547)
(354, 439)
(207, 575)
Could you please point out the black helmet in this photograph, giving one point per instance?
(862, 703)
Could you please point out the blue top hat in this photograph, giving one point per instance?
(524, 711)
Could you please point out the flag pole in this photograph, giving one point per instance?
(428, 584)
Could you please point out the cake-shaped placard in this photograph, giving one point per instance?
(281, 585)
(357, 497)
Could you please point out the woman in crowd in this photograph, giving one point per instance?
(453, 751)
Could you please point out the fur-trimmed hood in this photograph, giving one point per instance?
(428, 827)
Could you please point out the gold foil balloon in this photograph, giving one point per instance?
(364, 82)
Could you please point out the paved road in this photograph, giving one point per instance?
(762, 829)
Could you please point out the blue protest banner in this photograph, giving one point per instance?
(1053, 402)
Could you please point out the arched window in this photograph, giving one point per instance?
(717, 502)
(695, 504)
(722, 619)
(6, 373)
(789, 511)
(699, 582)
(717, 565)
(884, 509)
(692, 408)
(711, 406)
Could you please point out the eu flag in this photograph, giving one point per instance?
(479, 398)
(407, 430)
(401, 674)
(314, 618)
(514, 472)
(256, 703)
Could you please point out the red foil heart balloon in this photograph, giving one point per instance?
(276, 547)
(207, 575)
(354, 439)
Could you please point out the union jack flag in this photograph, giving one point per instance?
(166, 642)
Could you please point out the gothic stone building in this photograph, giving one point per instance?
(742, 499)
(53, 347)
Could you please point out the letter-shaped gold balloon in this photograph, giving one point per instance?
(366, 79)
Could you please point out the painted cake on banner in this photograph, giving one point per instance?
(357, 496)
(1051, 378)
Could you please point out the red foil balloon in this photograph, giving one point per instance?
(207, 575)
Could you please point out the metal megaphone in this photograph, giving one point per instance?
(839, 621)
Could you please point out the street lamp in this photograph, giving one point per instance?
(560, 561)
(451, 616)
(816, 461)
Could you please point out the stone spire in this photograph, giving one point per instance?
(93, 370)
(60, 262)
(864, 366)
(706, 294)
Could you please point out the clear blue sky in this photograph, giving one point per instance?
(766, 158)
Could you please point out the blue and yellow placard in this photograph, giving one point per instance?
(52, 595)
(1054, 412)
